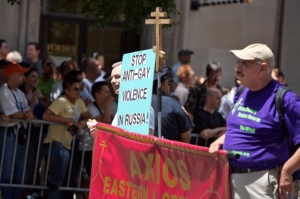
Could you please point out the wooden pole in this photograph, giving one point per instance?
(159, 55)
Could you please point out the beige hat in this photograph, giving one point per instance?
(256, 51)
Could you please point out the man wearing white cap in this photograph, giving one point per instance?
(254, 130)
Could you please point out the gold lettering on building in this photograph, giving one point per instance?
(58, 48)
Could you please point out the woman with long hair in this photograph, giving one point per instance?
(38, 105)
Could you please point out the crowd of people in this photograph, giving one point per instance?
(37, 89)
(71, 93)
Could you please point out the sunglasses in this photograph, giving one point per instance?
(76, 89)
(49, 64)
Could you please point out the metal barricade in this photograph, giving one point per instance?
(197, 136)
(29, 180)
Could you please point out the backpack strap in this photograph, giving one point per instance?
(239, 91)
(279, 103)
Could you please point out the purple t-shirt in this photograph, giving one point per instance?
(255, 132)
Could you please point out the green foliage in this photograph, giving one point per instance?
(132, 12)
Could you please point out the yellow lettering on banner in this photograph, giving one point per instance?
(140, 192)
(169, 166)
(172, 196)
(149, 170)
(153, 194)
(114, 189)
(185, 181)
(157, 169)
(134, 192)
(165, 196)
(134, 166)
(120, 187)
(106, 184)
(129, 184)
(144, 192)
(121, 191)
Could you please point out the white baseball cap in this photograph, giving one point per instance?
(256, 51)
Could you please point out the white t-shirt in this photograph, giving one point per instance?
(152, 118)
(101, 77)
(87, 141)
(11, 102)
(88, 85)
(182, 92)
(227, 103)
(94, 112)
(56, 90)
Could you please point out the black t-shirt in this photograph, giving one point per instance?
(196, 97)
(206, 120)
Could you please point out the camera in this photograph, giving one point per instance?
(72, 129)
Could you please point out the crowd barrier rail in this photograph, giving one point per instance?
(37, 167)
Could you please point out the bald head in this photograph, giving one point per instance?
(212, 92)
(213, 98)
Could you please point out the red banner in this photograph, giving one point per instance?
(129, 165)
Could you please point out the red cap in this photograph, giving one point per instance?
(14, 68)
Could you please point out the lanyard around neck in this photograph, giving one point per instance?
(17, 102)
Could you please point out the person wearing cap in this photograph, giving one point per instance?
(13, 104)
(255, 132)
(184, 57)
(175, 123)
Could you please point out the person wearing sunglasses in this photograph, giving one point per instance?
(46, 80)
(68, 109)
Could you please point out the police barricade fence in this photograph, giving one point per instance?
(34, 174)
(196, 137)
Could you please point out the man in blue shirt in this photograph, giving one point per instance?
(175, 123)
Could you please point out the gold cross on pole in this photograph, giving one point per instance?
(158, 35)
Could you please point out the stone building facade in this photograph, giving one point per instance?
(210, 31)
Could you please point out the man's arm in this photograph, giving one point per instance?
(151, 132)
(287, 171)
(216, 145)
(186, 136)
(209, 133)
(51, 117)
(17, 115)
(107, 112)
(152, 121)
(292, 118)
(85, 117)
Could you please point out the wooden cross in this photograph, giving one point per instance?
(158, 35)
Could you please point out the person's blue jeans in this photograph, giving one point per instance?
(8, 169)
(59, 159)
